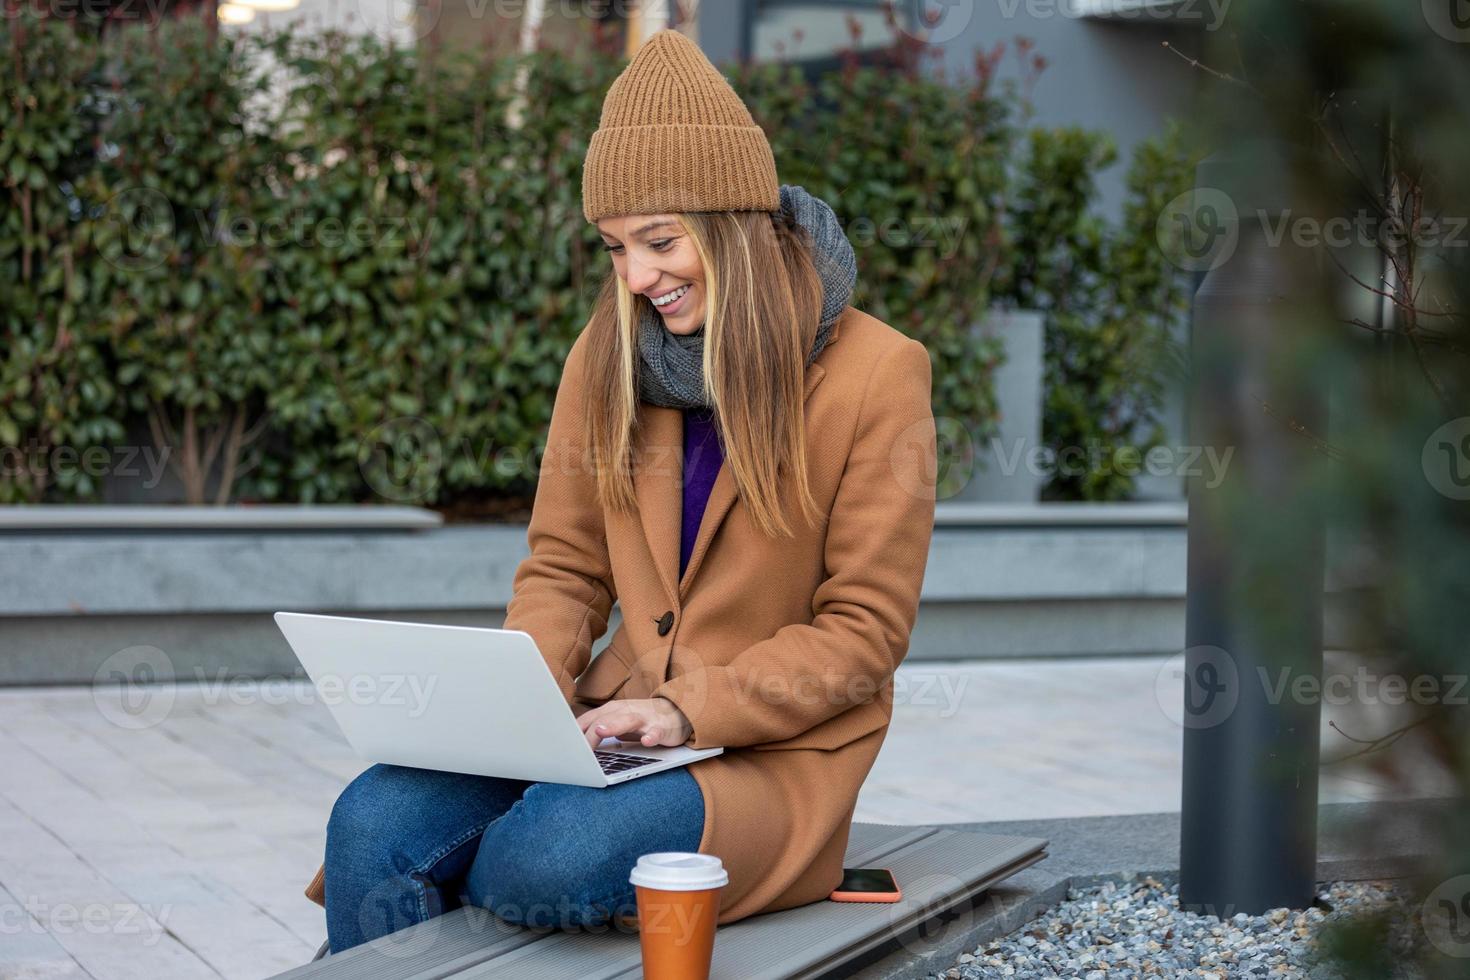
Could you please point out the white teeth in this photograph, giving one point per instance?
(672, 297)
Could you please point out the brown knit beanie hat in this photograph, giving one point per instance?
(675, 137)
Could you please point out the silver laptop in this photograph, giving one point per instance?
(461, 699)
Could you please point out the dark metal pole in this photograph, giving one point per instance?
(1248, 838)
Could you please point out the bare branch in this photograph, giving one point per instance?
(232, 455)
(1381, 742)
(1223, 76)
(1321, 445)
(1393, 297)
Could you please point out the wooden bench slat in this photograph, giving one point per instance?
(938, 869)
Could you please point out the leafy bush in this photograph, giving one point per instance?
(915, 169)
(1111, 297)
(58, 404)
(183, 307)
(317, 268)
(425, 342)
(359, 284)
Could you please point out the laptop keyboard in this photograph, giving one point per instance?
(615, 762)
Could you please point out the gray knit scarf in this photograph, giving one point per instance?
(671, 368)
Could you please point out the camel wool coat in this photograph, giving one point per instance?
(781, 650)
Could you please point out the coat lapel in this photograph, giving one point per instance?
(658, 484)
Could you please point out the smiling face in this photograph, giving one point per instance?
(655, 256)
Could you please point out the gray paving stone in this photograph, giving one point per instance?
(222, 805)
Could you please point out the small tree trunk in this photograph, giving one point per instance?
(191, 472)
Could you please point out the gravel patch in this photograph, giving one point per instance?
(1135, 929)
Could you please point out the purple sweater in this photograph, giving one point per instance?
(702, 460)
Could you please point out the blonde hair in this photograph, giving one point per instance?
(757, 335)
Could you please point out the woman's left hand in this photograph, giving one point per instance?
(653, 721)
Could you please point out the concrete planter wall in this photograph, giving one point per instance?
(1002, 473)
(200, 585)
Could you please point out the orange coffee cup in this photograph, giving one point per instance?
(678, 903)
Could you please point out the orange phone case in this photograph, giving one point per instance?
(841, 896)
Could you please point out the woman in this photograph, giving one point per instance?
(746, 464)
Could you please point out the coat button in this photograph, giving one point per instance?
(666, 623)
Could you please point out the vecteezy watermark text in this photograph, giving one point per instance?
(411, 691)
(1207, 462)
(1214, 684)
(137, 688)
(35, 915)
(39, 460)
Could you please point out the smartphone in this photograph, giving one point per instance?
(867, 885)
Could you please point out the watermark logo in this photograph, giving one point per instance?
(390, 912)
(138, 225)
(137, 688)
(919, 470)
(1445, 917)
(940, 692)
(960, 457)
(1210, 685)
(944, 235)
(43, 462)
(134, 688)
(139, 228)
(40, 917)
(1209, 15)
(682, 923)
(1446, 459)
(666, 660)
(955, 460)
(1207, 463)
(398, 22)
(1198, 230)
(934, 21)
(148, 12)
(412, 692)
(302, 228)
(1362, 686)
(1450, 19)
(1202, 687)
(932, 904)
(402, 459)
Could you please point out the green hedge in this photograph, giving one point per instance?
(351, 279)
(1113, 300)
(56, 388)
(917, 171)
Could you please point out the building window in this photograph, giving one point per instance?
(814, 32)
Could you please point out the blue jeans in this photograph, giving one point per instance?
(405, 845)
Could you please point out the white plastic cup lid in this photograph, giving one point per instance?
(679, 871)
